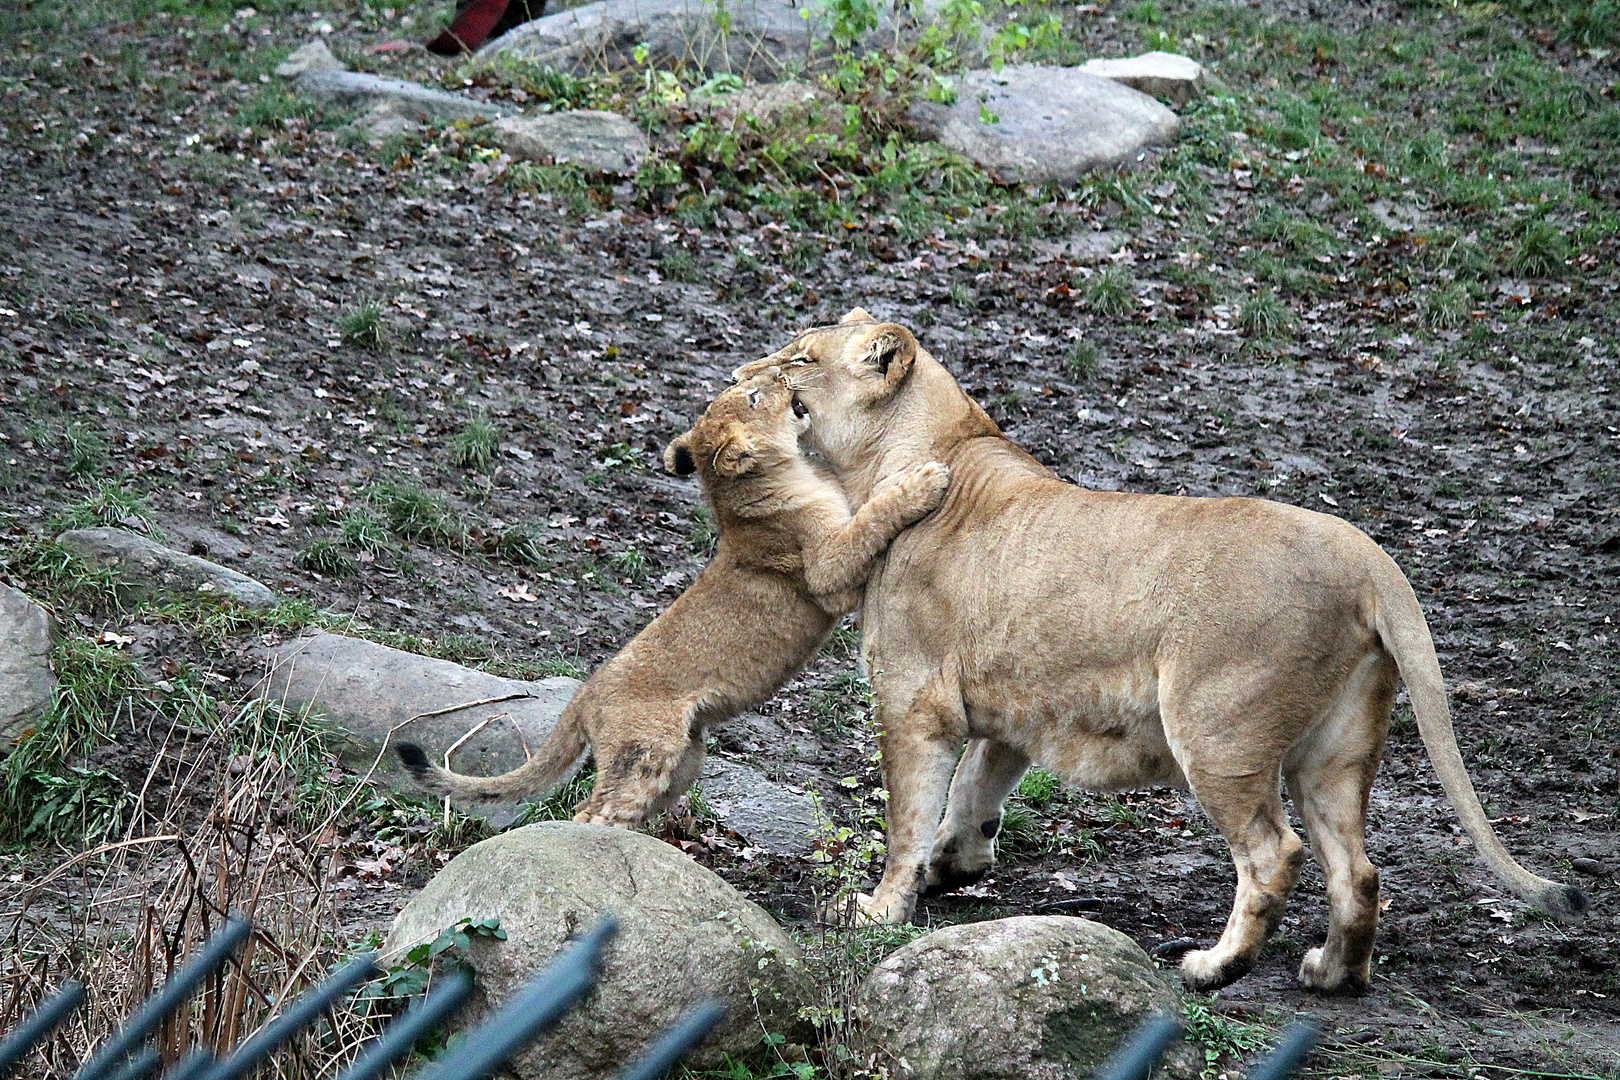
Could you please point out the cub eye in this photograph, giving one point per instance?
(798, 408)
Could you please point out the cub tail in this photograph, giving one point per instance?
(553, 763)
(1405, 633)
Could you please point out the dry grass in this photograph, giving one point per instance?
(245, 829)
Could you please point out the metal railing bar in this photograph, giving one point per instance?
(142, 1065)
(34, 1030)
(209, 960)
(1135, 1059)
(1284, 1061)
(420, 1019)
(299, 1015)
(535, 1008)
(674, 1044)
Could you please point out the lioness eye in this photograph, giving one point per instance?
(798, 408)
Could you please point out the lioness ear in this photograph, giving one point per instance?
(678, 456)
(891, 349)
(857, 315)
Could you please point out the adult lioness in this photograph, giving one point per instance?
(790, 560)
(1125, 641)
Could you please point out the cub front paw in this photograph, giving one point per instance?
(922, 487)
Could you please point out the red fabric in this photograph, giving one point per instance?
(470, 28)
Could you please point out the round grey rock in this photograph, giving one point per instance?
(1039, 997)
(683, 934)
(598, 142)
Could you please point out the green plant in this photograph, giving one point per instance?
(412, 974)
(474, 446)
(622, 456)
(631, 563)
(1082, 360)
(1220, 1037)
(364, 327)
(677, 264)
(86, 451)
(1264, 316)
(703, 534)
(521, 546)
(1039, 787)
(560, 803)
(362, 529)
(1110, 293)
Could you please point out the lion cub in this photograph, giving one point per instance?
(791, 559)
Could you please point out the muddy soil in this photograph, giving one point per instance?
(184, 302)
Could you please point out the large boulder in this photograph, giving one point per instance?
(146, 568)
(27, 685)
(1162, 74)
(1031, 124)
(762, 39)
(598, 142)
(377, 696)
(1040, 997)
(763, 812)
(683, 934)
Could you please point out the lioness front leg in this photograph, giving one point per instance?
(838, 562)
(919, 750)
(965, 845)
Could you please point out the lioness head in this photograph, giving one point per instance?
(754, 425)
(866, 385)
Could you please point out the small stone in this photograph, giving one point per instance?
(1032, 124)
(367, 691)
(598, 142)
(1042, 997)
(27, 684)
(356, 89)
(683, 934)
(1590, 867)
(147, 568)
(1162, 74)
(763, 812)
(314, 56)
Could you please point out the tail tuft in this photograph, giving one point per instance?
(414, 760)
(1565, 902)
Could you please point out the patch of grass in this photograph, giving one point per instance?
(703, 534)
(362, 529)
(1264, 316)
(630, 563)
(678, 264)
(1039, 787)
(559, 804)
(416, 514)
(1082, 360)
(86, 451)
(1219, 1037)
(274, 108)
(1540, 251)
(1444, 308)
(521, 545)
(107, 503)
(1110, 293)
(328, 558)
(364, 327)
(474, 446)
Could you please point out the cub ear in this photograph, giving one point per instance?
(891, 349)
(735, 456)
(857, 315)
(678, 456)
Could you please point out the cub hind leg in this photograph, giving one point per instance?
(638, 765)
(1330, 776)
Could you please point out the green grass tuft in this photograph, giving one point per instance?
(1110, 293)
(416, 514)
(474, 446)
(1264, 316)
(364, 327)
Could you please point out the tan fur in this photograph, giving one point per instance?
(1125, 641)
(790, 560)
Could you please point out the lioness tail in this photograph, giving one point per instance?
(551, 764)
(1405, 633)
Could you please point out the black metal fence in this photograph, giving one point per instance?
(127, 1055)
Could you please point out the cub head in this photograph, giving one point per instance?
(750, 427)
(863, 381)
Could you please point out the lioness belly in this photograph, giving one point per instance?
(1100, 731)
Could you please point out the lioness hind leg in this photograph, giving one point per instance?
(964, 845)
(1329, 778)
(1268, 854)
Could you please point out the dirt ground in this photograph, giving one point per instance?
(173, 281)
